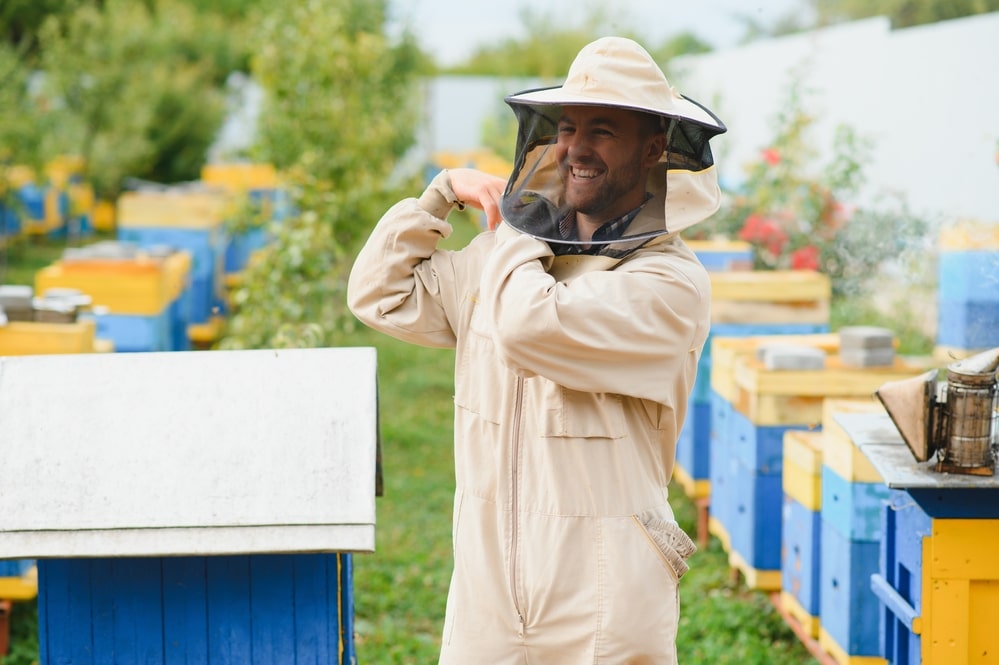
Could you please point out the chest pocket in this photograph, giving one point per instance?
(574, 414)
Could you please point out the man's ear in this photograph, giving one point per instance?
(654, 150)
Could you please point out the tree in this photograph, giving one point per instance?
(903, 13)
(340, 111)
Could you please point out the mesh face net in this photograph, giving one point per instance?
(534, 201)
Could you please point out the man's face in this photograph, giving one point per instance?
(603, 155)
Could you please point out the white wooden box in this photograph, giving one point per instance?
(188, 453)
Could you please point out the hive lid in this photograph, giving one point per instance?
(188, 453)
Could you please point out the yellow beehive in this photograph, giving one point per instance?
(802, 471)
(240, 177)
(144, 285)
(841, 454)
(725, 351)
(24, 587)
(960, 591)
(793, 397)
(29, 338)
(770, 296)
(177, 209)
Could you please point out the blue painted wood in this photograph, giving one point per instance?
(64, 612)
(968, 276)
(848, 608)
(968, 325)
(15, 567)
(760, 447)
(904, 525)
(295, 609)
(185, 610)
(957, 502)
(755, 526)
(316, 617)
(229, 610)
(272, 611)
(801, 554)
(207, 249)
(722, 464)
(693, 444)
(852, 508)
(136, 333)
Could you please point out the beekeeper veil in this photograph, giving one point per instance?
(616, 72)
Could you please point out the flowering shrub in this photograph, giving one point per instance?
(799, 218)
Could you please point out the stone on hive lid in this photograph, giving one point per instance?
(866, 337)
(792, 357)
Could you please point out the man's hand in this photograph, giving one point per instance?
(479, 190)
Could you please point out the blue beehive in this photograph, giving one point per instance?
(968, 287)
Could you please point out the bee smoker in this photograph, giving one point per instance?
(955, 419)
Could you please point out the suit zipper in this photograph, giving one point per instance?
(515, 500)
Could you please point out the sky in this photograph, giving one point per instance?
(452, 29)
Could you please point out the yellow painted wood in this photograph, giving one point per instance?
(763, 580)
(964, 549)
(29, 338)
(143, 286)
(695, 489)
(804, 448)
(104, 216)
(835, 380)
(206, 333)
(803, 486)
(174, 209)
(840, 453)
(745, 311)
(809, 622)
(239, 176)
(725, 351)
(763, 409)
(970, 234)
(19, 588)
(770, 286)
(840, 655)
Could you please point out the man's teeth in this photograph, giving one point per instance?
(585, 173)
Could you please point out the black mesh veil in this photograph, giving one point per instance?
(533, 201)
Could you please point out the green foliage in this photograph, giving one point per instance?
(340, 113)
(122, 92)
(903, 13)
(23, 634)
(803, 218)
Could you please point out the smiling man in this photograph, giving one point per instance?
(577, 319)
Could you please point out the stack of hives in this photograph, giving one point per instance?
(968, 290)
(140, 296)
(52, 323)
(56, 205)
(744, 303)
(782, 387)
(261, 199)
(923, 589)
(189, 218)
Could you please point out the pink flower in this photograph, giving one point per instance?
(805, 258)
(771, 156)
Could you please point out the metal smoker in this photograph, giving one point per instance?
(955, 419)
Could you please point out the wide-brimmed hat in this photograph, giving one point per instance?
(616, 71)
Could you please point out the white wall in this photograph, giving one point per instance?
(926, 97)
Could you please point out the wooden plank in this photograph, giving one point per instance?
(770, 285)
(836, 380)
(749, 311)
